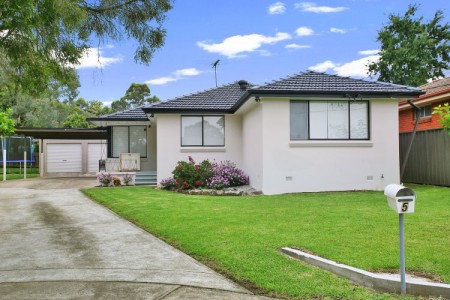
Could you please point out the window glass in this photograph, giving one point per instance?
(213, 130)
(119, 140)
(299, 120)
(191, 131)
(425, 111)
(138, 140)
(338, 120)
(318, 115)
(322, 120)
(359, 120)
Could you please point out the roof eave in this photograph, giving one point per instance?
(338, 94)
(187, 110)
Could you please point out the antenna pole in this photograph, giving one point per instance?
(214, 65)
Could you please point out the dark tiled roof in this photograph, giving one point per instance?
(436, 86)
(321, 83)
(220, 99)
(133, 114)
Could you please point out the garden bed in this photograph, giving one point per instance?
(243, 190)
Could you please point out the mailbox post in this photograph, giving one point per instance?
(402, 200)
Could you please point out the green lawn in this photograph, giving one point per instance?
(241, 236)
(17, 173)
(17, 176)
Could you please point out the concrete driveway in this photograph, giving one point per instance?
(58, 244)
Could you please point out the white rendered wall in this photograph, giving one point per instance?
(312, 166)
(169, 150)
(252, 140)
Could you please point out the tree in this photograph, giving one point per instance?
(119, 105)
(444, 115)
(7, 125)
(44, 39)
(137, 94)
(7, 128)
(412, 51)
(76, 120)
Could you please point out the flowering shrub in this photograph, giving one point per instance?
(188, 175)
(105, 179)
(168, 183)
(226, 174)
(116, 181)
(127, 179)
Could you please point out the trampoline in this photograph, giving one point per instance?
(15, 147)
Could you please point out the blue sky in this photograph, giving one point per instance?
(255, 40)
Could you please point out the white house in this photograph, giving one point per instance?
(306, 133)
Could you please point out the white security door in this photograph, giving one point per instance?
(95, 153)
(64, 158)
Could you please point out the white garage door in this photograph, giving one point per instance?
(95, 153)
(64, 158)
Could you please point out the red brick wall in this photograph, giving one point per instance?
(407, 121)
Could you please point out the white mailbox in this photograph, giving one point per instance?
(400, 198)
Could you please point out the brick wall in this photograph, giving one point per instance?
(407, 121)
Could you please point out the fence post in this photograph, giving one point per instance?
(4, 164)
(24, 164)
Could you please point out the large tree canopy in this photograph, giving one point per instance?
(43, 39)
(412, 51)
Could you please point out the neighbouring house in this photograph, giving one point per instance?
(429, 158)
(305, 133)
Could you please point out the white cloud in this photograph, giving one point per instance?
(312, 7)
(323, 66)
(296, 46)
(187, 72)
(94, 58)
(304, 31)
(276, 8)
(175, 76)
(355, 68)
(338, 30)
(369, 52)
(234, 46)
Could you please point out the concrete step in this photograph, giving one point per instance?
(146, 178)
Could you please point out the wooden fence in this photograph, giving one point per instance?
(429, 160)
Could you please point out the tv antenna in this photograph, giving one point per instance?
(214, 65)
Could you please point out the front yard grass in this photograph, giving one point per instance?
(241, 236)
(17, 176)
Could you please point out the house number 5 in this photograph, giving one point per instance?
(404, 207)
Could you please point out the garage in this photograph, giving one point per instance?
(64, 158)
(72, 157)
(69, 152)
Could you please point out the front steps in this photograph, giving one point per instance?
(146, 178)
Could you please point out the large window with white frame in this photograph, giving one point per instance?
(129, 139)
(202, 131)
(329, 120)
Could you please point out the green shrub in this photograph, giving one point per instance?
(189, 175)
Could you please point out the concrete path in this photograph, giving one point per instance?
(55, 243)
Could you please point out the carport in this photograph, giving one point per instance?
(68, 152)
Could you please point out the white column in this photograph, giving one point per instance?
(24, 164)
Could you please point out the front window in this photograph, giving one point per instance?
(202, 130)
(329, 120)
(129, 139)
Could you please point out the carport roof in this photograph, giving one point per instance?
(63, 133)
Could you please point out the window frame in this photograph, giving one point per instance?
(203, 130)
(422, 112)
(128, 139)
(349, 121)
